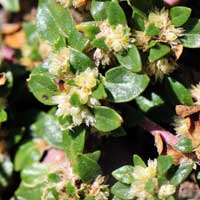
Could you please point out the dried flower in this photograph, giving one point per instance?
(101, 57)
(166, 191)
(160, 67)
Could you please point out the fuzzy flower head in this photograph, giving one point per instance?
(160, 67)
(166, 191)
(142, 40)
(59, 61)
(195, 91)
(101, 57)
(116, 38)
(181, 126)
(168, 32)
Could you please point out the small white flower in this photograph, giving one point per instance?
(116, 38)
(101, 57)
(166, 190)
(181, 126)
(160, 67)
(59, 61)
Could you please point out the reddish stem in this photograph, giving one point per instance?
(154, 129)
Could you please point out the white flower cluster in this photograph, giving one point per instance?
(81, 89)
(116, 38)
(142, 175)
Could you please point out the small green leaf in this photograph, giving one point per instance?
(75, 99)
(46, 126)
(71, 190)
(179, 15)
(99, 92)
(177, 93)
(26, 155)
(164, 164)
(106, 118)
(79, 60)
(87, 168)
(94, 155)
(182, 173)
(152, 30)
(53, 177)
(89, 29)
(30, 30)
(74, 142)
(3, 115)
(99, 43)
(98, 9)
(124, 174)
(130, 59)
(42, 87)
(191, 40)
(158, 51)
(149, 186)
(115, 14)
(137, 160)
(51, 26)
(35, 174)
(123, 85)
(121, 191)
(184, 145)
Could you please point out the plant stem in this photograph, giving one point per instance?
(154, 129)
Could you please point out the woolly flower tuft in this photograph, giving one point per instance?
(160, 67)
(166, 191)
(59, 61)
(180, 126)
(101, 57)
(195, 91)
(116, 38)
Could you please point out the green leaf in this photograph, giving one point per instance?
(121, 191)
(3, 115)
(46, 126)
(149, 186)
(158, 51)
(124, 174)
(42, 87)
(35, 174)
(192, 26)
(94, 155)
(123, 85)
(106, 118)
(30, 30)
(179, 15)
(177, 93)
(137, 160)
(130, 59)
(26, 155)
(79, 60)
(53, 177)
(98, 9)
(115, 14)
(184, 145)
(191, 40)
(145, 104)
(75, 99)
(182, 173)
(152, 30)
(87, 168)
(74, 142)
(99, 43)
(24, 192)
(10, 5)
(71, 190)
(89, 29)
(99, 92)
(164, 164)
(51, 26)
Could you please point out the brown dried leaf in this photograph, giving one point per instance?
(3, 78)
(158, 143)
(185, 111)
(9, 28)
(178, 50)
(15, 40)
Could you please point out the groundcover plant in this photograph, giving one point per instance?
(86, 88)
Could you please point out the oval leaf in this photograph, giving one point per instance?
(107, 119)
(123, 85)
(179, 15)
(184, 145)
(131, 59)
